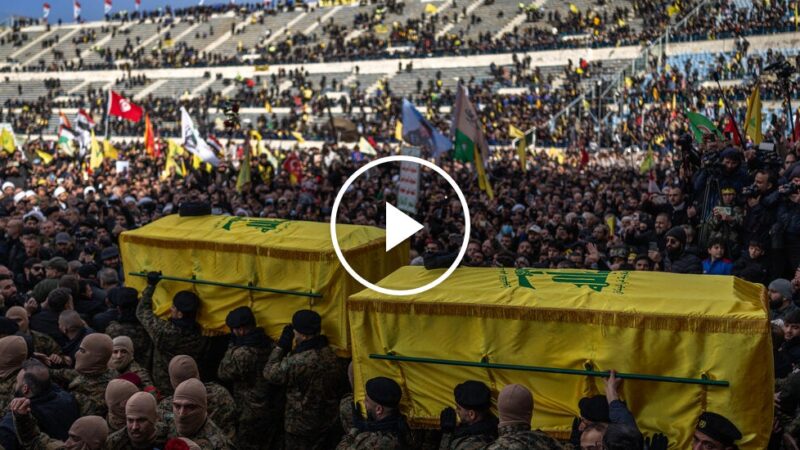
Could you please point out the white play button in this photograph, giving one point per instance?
(399, 226)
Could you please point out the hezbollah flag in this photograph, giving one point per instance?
(470, 142)
(648, 162)
(9, 143)
(109, 151)
(522, 141)
(701, 126)
(174, 150)
(753, 118)
(96, 155)
(516, 319)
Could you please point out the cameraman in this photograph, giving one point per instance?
(786, 230)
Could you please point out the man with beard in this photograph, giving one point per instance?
(180, 335)
(385, 427)
(478, 427)
(190, 410)
(780, 299)
(54, 409)
(9, 296)
(32, 273)
(42, 343)
(141, 430)
(65, 248)
(110, 258)
(259, 414)
(788, 353)
(677, 259)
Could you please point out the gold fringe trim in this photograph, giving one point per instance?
(670, 322)
(252, 249)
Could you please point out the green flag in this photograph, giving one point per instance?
(701, 125)
(244, 170)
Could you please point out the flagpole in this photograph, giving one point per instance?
(108, 113)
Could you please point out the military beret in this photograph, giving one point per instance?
(240, 317)
(8, 327)
(594, 409)
(473, 394)
(193, 209)
(718, 428)
(307, 322)
(186, 302)
(384, 391)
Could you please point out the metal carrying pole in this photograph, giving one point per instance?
(248, 287)
(596, 373)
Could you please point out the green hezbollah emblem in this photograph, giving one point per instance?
(595, 281)
(262, 224)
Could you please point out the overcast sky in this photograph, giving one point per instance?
(90, 9)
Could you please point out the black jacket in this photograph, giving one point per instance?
(46, 321)
(685, 263)
(54, 412)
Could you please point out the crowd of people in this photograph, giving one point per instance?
(383, 27)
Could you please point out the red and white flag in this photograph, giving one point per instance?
(122, 107)
(107, 6)
(46, 10)
(76, 10)
(137, 4)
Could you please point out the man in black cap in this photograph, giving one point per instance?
(384, 427)
(677, 259)
(241, 367)
(180, 335)
(478, 426)
(715, 432)
(54, 268)
(593, 410)
(310, 375)
(110, 258)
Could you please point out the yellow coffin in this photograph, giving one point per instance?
(688, 326)
(278, 254)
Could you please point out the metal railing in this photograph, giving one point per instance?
(249, 286)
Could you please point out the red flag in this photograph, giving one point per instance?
(46, 10)
(584, 157)
(107, 6)
(122, 107)
(149, 138)
(294, 166)
(730, 130)
(796, 133)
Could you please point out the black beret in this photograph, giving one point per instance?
(186, 302)
(306, 321)
(384, 391)
(594, 409)
(193, 209)
(124, 297)
(473, 394)
(718, 428)
(8, 327)
(240, 317)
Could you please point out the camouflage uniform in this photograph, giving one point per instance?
(43, 343)
(471, 437)
(311, 378)
(382, 440)
(346, 412)
(140, 371)
(220, 408)
(30, 437)
(119, 440)
(258, 416)
(520, 437)
(89, 390)
(142, 345)
(210, 437)
(169, 340)
(7, 390)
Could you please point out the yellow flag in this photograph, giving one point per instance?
(673, 9)
(752, 120)
(46, 158)
(196, 162)
(8, 141)
(483, 180)
(515, 132)
(430, 8)
(398, 131)
(674, 102)
(298, 136)
(522, 146)
(656, 94)
(268, 107)
(96, 155)
(574, 8)
(173, 151)
(109, 151)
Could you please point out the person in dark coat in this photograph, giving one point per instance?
(53, 408)
(752, 266)
(46, 320)
(677, 259)
(788, 354)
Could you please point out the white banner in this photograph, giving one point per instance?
(408, 185)
(192, 141)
